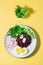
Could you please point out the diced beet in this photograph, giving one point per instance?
(27, 42)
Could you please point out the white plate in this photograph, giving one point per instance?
(31, 47)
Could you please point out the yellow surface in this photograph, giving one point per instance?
(8, 19)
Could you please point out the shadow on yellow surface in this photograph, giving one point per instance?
(30, 11)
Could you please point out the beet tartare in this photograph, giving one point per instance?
(24, 41)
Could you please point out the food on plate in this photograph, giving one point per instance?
(25, 41)
(18, 38)
(23, 51)
(18, 30)
(11, 42)
(17, 49)
(20, 50)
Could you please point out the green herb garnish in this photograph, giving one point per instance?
(17, 30)
(21, 12)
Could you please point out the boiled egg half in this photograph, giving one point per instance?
(20, 50)
(17, 49)
(23, 51)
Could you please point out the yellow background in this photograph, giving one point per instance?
(8, 19)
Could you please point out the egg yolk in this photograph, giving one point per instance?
(17, 49)
(23, 50)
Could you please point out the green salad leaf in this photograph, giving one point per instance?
(20, 11)
(17, 30)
